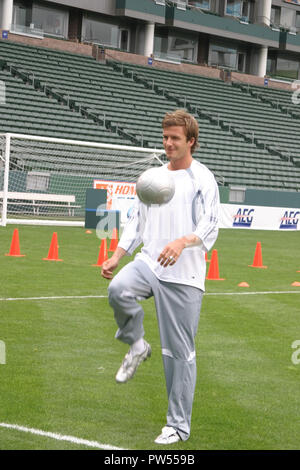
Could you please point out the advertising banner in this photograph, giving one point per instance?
(120, 196)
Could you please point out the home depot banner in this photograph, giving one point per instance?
(259, 217)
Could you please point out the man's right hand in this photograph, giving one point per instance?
(108, 267)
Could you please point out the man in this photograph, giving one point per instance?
(171, 267)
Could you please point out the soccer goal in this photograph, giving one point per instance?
(43, 181)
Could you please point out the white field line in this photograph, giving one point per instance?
(60, 437)
(63, 297)
(59, 297)
(255, 293)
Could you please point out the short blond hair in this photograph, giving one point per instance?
(181, 117)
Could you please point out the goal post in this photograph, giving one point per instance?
(43, 181)
(5, 165)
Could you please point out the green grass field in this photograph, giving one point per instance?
(61, 355)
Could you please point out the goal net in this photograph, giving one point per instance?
(44, 180)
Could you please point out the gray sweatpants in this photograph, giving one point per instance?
(178, 310)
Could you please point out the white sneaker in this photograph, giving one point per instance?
(168, 435)
(131, 363)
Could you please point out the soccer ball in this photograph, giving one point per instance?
(155, 186)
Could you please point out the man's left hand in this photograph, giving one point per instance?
(171, 253)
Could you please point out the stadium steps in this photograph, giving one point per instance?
(284, 119)
(85, 131)
(30, 112)
(38, 76)
(280, 100)
(76, 80)
(209, 91)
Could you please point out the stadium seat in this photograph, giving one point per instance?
(239, 126)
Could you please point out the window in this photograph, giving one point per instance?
(104, 33)
(181, 4)
(271, 66)
(228, 54)
(239, 8)
(175, 46)
(161, 43)
(287, 67)
(241, 61)
(275, 16)
(52, 21)
(245, 8)
(204, 4)
(223, 56)
(298, 22)
(22, 14)
(19, 15)
(182, 48)
(288, 18)
(283, 66)
(233, 7)
(124, 39)
(101, 32)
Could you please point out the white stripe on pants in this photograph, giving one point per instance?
(178, 309)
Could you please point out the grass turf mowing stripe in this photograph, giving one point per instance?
(63, 297)
(60, 437)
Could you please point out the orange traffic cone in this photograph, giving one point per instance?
(213, 272)
(206, 258)
(114, 240)
(257, 261)
(53, 250)
(103, 256)
(15, 245)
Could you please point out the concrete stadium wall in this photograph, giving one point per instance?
(263, 197)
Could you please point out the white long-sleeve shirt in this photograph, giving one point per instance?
(192, 210)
